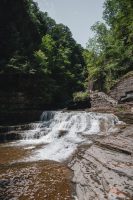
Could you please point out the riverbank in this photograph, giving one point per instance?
(98, 162)
(104, 169)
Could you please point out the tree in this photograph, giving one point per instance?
(112, 46)
(34, 46)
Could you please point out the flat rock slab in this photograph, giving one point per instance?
(122, 141)
(104, 170)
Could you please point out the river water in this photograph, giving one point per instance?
(34, 166)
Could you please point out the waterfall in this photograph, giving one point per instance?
(60, 133)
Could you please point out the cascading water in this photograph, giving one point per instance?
(60, 133)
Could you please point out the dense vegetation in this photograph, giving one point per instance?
(109, 55)
(42, 60)
(33, 45)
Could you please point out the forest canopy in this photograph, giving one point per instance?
(34, 45)
(109, 54)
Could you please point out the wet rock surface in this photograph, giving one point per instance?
(100, 169)
(39, 181)
(12, 133)
(104, 169)
(127, 117)
(24, 180)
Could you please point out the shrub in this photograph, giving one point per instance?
(80, 96)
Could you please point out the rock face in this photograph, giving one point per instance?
(79, 105)
(104, 170)
(21, 100)
(123, 90)
(12, 133)
(126, 117)
(19, 116)
(100, 99)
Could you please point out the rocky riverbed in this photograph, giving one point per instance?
(32, 180)
(101, 169)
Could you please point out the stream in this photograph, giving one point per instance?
(39, 165)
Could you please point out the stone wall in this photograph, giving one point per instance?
(123, 90)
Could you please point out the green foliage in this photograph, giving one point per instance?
(80, 96)
(61, 59)
(16, 64)
(32, 44)
(109, 53)
(42, 61)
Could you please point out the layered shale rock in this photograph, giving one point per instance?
(12, 133)
(100, 99)
(123, 90)
(104, 169)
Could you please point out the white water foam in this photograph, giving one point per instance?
(60, 133)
